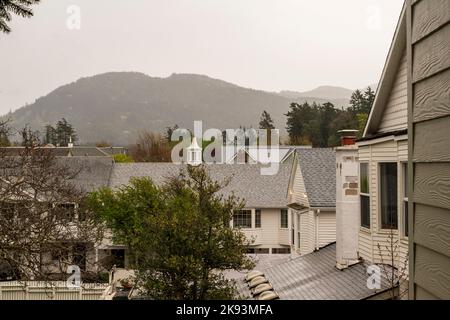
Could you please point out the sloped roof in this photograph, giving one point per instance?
(315, 277)
(85, 173)
(77, 151)
(114, 150)
(259, 191)
(93, 172)
(261, 154)
(392, 63)
(318, 166)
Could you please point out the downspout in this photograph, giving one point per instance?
(317, 229)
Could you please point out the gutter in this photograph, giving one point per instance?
(396, 289)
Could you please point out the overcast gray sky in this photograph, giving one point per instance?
(263, 44)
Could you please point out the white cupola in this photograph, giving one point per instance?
(70, 144)
(194, 153)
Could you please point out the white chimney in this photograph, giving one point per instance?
(347, 206)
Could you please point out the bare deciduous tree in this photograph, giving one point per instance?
(43, 224)
(151, 147)
(394, 268)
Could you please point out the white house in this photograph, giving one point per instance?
(334, 272)
(265, 217)
(383, 156)
(312, 198)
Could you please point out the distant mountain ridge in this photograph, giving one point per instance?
(115, 106)
(323, 92)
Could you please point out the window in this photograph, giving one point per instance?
(364, 195)
(292, 229)
(405, 199)
(284, 219)
(61, 253)
(258, 218)
(281, 250)
(388, 193)
(242, 219)
(258, 250)
(66, 211)
(79, 255)
(118, 257)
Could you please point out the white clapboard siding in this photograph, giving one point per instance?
(395, 113)
(307, 232)
(365, 245)
(270, 227)
(387, 151)
(327, 228)
(364, 153)
(270, 235)
(299, 189)
(403, 151)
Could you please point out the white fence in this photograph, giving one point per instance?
(57, 290)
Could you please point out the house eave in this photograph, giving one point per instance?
(323, 208)
(382, 137)
(393, 59)
(297, 206)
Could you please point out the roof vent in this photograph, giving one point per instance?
(253, 274)
(261, 288)
(257, 281)
(268, 295)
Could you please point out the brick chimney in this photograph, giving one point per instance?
(348, 137)
(347, 206)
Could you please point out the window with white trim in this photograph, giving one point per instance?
(284, 218)
(388, 195)
(364, 194)
(242, 219)
(405, 199)
(258, 218)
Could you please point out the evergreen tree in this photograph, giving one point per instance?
(266, 121)
(369, 97)
(318, 125)
(64, 133)
(4, 134)
(301, 125)
(179, 234)
(50, 135)
(30, 138)
(18, 7)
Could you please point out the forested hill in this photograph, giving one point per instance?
(116, 106)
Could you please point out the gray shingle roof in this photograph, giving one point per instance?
(93, 172)
(259, 191)
(86, 173)
(315, 277)
(76, 151)
(318, 167)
